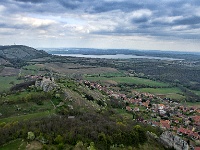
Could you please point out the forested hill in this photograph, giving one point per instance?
(20, 52)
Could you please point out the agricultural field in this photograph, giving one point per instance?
(70, 68)
(196, 104)
(172, 93)
(129, 80)
(34, 69)
(9, 71)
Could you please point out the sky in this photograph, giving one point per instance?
(128, 24)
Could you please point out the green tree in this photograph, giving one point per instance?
(31, 136)
(92, 146)
(79, 146)
(58, 139)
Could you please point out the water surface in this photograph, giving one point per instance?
(117, 56)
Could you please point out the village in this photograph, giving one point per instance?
(179, 119)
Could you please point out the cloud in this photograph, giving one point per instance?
(141, 16)
(69, 4)
(191, 20)
(106, 6)
(2, 8)
(173, 19)
(31, 1)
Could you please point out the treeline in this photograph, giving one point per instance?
(21, 86)
(190, 96)
(97, 128)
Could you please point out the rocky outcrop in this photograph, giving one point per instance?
(47, 84)
(169, 140)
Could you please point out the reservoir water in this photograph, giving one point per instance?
(117, 56)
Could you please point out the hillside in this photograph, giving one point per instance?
(20, 52)
(59, 102)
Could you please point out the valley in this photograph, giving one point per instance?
(85, 103)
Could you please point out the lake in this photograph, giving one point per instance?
(117, 56)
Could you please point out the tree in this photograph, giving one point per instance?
(92, 146)
(79, 146)
(31, 136)
(58, 139)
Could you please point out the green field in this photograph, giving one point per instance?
(196, 104)
(113, 74)
(33, 67)
(28, 116)
(24, 108)
(31, 70)
(16, 144)
(133, 80)
(160, 90)
(172, 93)
(5, 82)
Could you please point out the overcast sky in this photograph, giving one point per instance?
(133, 24)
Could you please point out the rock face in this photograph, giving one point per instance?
(47, 84)
(170, 140)
(20, 52)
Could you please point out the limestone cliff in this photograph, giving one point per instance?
(47, 84)
(169, 140)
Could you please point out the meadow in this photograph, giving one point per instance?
(28, 116)
(18, 144)
(172, 93)
(7, 82)
(129, 80)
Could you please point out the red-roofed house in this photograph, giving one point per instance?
(196, 119)
(197, 148)
(165, 124)
(161, 106)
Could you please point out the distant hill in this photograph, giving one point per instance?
(20, 52)
(152, 53)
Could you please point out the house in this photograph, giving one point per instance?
(182, 131)
(146, 104)
(165, 124)
(196, 119)
(161, 106)
(128, 108)
(197, 148)
(136, 109)
(189, 133)
(195, 135)
(157, 124)
(161, 112)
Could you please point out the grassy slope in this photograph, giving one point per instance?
(196, 92)
(16, 144)
(5, 82)
(28, 116)
(32, 69)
